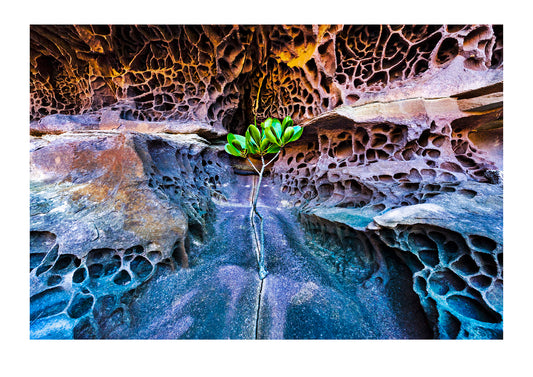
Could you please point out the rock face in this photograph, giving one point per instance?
(424, 175)
(106, 209)
(387, 213)
(212, 73)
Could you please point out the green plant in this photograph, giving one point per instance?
(272, 136)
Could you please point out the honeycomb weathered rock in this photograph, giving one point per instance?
(400, 161)
(392, 154)
(376, 167)
(212, 73)
(108, 210)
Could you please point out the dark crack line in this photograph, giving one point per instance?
(258, 309)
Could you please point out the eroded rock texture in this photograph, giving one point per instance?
(397, 181)
(357, 166)
(212, 73)
(107, 210)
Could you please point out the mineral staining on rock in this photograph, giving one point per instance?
(397, 180)
(108, 209)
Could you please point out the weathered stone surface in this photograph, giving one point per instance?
(221, 297)
(396, 182)
(108, 208)
(459, 241)
(394, 153)
(212, 73)
(110, 121)
(415, 169)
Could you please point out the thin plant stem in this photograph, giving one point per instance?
(259, 239)
(277, 154)
(253, 166)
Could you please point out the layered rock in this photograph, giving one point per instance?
(421, 178)
(107, 210)
(213, 73)
(397, 181)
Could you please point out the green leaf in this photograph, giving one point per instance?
(266, 123)
(241, 140)
(251, 147)
(231, 150)
(237, 145)
(277, 127)
(271, 136)
(237, 141)
(254, 133)
(297, 133)
(273, 149)
(264, 145)
(287, 122)
(289, 131)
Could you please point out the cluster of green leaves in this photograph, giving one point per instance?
(273, 136)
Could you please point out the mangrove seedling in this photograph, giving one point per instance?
(270, 138)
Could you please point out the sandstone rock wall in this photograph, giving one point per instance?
(212, 73)
(424, 176)
(400, 162)
(108, 209)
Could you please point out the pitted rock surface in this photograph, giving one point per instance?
(424, 176)
(213, 73)
(389, 206)
(107, 210)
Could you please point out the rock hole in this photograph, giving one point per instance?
(448, 49)
(410, 186)
(432, 153)
(437, 236)
(141, 267)
(155, 256)
(419, 240)
(471, 308)
(48, 302)
(428, 173)
(79, 275)
(41, 242)
(399, 175)
(54, 280)
(466, 265)
(482, 243)
(438, 284)
(81, 305)
(423, 139)
(95, 270)
(481, 281)
(420, 286)
(488, 264)
(386, 178)
(344, 149)
(438, 141)
(36, 259)
(112, 266)
(104, 306)
(378, 140)
(429, 257)
(450, 247)
(84, 330)
(122, 278)
(371, 155)
(325, 190)
(468, 193)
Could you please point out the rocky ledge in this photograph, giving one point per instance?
(384, 220)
